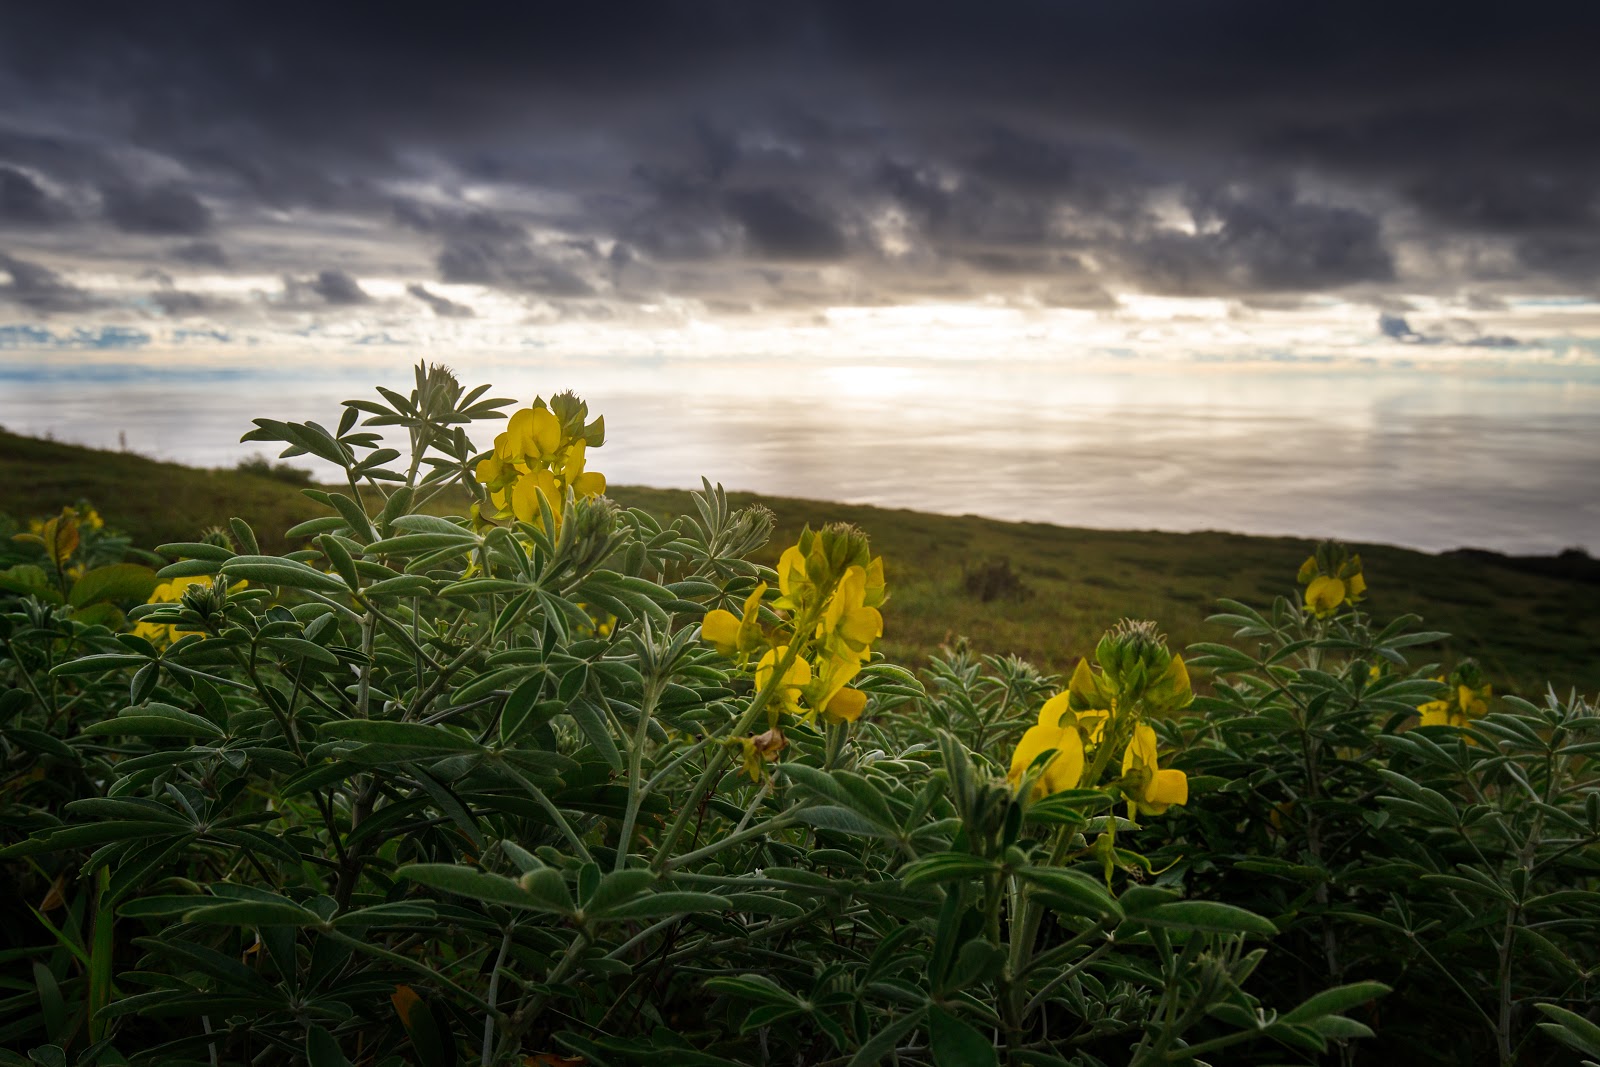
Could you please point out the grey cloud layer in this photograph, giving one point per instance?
(767, 156)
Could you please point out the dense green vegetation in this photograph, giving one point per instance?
(564, 782)
(1066, 587)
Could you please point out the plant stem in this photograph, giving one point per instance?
(636, 789)
(494, 995)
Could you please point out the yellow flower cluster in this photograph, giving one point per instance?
(829, 590)
(1468, 698)
(1102, 711)
(541, 453)
(1332, 577)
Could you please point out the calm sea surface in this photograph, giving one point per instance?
(1500, 458)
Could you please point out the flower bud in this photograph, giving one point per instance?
(1134, 656)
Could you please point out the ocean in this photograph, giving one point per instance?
(1504, 457)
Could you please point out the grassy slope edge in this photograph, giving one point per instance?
(1526, 628)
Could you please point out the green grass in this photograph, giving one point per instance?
(1525, 628)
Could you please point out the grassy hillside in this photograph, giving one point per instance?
(1059, 587)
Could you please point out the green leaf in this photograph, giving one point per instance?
(877, 1048)
(592, 721)
(429, 740)
(616, 887)
(411, 544)
(100, 833)
(254, 913)
(196, 550)
(658, 905)
(300, 648)
(274, 570)
(1571, 1029)
(105, 661)
(753, 987)
(322, 1050)
(946, 867)
(1336, 1001)
(161, 907)
(119, 581)
(843, 820)
(137, 725)
(1208, 916)
(1072, 891)
(956, 1043)
(535, 891)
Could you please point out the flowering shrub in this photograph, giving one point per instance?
(555, 782)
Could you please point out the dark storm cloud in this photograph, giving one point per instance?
(337, 287)
(200, 253)
(166, 210)
(441, 306)
(781, 224)
(24, 203)
(1239, 148)
(1261, 242)
(38, 288)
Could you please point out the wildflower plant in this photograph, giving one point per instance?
(491, 769)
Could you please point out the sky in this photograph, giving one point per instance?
(1232, 179)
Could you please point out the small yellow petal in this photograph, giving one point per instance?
(544, 433)
(1065, 767)
(846, 705)
(1168, 787)
(1054, 709)
(1324, 595)
(721, 628)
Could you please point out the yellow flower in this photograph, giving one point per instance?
(827, 692)
(795, 587)
(525, 497)
(1332, 577)
(1065, 767)
(531, 434)
(732, 635)
(1474, 703)
(849, 624)
(845, 706)
(542, 451)
(1091, 722)
(1436, 712)
(490, 468)
(1466, 698)
(1324, 596)
(1148, 788)
(787, 695)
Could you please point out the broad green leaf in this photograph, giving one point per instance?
(1072, 891)
(657, 905)
(1208, 916)
(119, 581)
(1335, 1001)
(322, 1050)
(955, 1043)
(946, 867)
(427, 739)
(534, 891)
(274, 570)
(254, 913)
